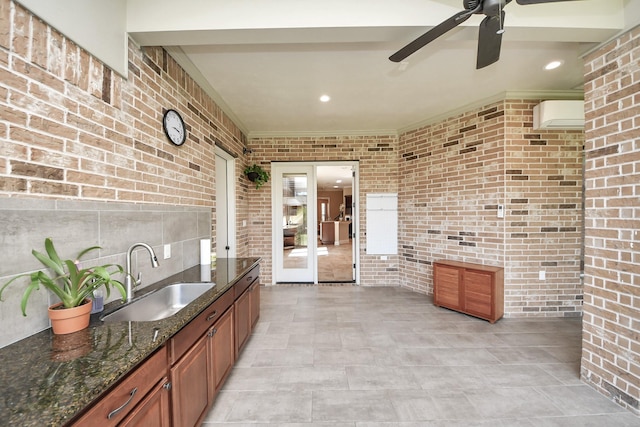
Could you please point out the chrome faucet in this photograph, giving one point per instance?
(128, 280)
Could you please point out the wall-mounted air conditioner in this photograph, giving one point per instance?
(566, 115)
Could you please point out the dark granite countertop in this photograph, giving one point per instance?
(47, 379)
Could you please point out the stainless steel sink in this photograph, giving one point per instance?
(159, 304)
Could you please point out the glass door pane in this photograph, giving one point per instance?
(295, 253)
(294, 213)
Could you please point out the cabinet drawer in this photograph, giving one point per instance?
(118, 403)
(184, 339)
(246, 281)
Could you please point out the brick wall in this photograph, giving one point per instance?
(453, 175)
(611, 342)
(544, 216)
(378, 167)
(70, 128)
(78, 140)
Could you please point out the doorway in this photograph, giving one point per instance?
(335, 243)
(314, 231)
(225, 205)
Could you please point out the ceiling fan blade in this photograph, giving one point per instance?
(525, 2)
(490, 40)
(430, 35)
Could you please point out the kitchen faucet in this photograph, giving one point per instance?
(128, 280)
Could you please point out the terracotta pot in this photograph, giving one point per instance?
(68, 320)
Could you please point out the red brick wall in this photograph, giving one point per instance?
(453, 175)
(70, 128)
(611, 339)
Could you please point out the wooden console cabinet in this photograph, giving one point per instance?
(473, 289)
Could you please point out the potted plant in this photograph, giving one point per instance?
(257, 175)
(71, 284)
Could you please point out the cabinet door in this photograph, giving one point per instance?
(446, 283)
(478, 291)
(221, 351)
(190, 379)
(255, 303)
(153, 411)
(242, 313)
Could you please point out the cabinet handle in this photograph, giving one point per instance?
(212, 315)
(116, 411)
(250, 279)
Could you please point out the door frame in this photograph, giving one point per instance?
(230, 203)
(277, 239)
(309, 274)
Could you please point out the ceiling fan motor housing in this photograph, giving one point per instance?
(470, 4)
(488, 7)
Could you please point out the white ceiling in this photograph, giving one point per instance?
(267, 62)
(334, 177)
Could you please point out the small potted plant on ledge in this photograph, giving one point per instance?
(73, 285)
(257, 175)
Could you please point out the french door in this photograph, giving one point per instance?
(294, 219)
(296, 210)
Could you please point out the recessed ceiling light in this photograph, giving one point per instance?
(553, 65)
(325, 98)
(338, 181)
(335, 186)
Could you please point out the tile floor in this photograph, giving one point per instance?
(337, 356)
(334, 262)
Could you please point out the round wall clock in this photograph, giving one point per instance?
(174, 127)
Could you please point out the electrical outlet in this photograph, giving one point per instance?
(383, 257)
(542, 275)
(500, 211)
(167, 251)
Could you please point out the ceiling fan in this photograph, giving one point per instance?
(489, 36)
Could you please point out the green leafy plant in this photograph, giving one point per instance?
(257, 175)
(70, 283)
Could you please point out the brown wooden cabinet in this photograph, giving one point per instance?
(177, 385)
(200, 372)
(242, 308)
(190, 379)
(247, 308)
(255, 303)
(131, 394)
(221, 352)
(474, 289)
(154, 410)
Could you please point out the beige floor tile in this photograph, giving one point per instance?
(347, 356)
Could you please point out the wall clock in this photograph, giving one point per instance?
(174, 127)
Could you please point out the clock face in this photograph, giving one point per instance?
(174, 127)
